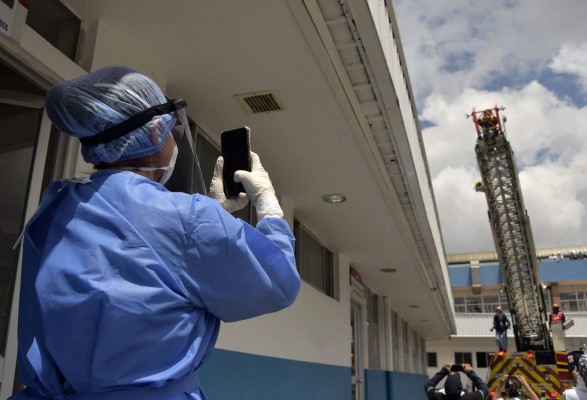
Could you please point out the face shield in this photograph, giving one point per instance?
(187, 175)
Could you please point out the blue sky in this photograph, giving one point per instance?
(528, 57)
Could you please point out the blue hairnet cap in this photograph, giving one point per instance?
(85, 106)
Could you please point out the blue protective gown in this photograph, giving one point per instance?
(124, 285)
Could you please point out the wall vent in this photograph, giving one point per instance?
(259, 102)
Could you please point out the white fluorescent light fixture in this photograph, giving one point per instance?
(334, 198)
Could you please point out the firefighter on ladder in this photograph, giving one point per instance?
(556, 316)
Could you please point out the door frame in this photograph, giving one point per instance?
(41, 145)
(359, 333)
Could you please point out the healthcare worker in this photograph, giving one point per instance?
(124, 283)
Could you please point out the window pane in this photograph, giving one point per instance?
(481, 359)
(468, 357)
(406, 346)
(489, 303)
(463, 358)
(460, 309)
(567, 296)
(473, 304)
(315, 262)
(56, 24)
(458, 358)
(311, 261)
(395, 340)
(373, 328)
(328, 265)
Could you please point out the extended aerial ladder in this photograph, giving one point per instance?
(512, 233)
(545, 369)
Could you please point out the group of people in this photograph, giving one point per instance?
(501, 324)
(573, 255)
(578, 255)
(510, 386)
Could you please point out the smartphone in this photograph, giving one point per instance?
(457, 368)
(236, 151)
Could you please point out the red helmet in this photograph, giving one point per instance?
(498, 308)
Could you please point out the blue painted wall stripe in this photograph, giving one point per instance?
(389, 385)
(376, 385)
(402, 386)
(550, 271)
(230, 375)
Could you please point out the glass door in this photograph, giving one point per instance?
(21, 116)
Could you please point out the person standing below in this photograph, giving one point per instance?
(579, 392)
(453, 387)
(514, 387)
(501, 324)
(556, 316)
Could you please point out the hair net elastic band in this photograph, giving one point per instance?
(134, 122)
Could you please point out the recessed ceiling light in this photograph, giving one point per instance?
(334, 198)
(413, 306)
(388, 270)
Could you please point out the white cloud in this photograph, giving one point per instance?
(462, 211)
(572, 59)
(556, 213)
(508, 38)
(548, 137)
(456, 49)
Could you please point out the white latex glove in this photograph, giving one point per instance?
(260, 190)
(230, 204)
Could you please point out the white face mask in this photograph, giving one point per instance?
(167, 171)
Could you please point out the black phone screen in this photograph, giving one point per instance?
(236, 151)
(457, 368)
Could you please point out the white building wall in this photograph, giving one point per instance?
(315, 329)
(445, 351)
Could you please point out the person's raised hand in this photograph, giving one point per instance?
(230, 204)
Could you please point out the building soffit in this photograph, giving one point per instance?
(340, 35)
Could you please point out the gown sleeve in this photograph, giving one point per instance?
(235, 271)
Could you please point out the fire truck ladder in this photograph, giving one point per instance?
(512, 234)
